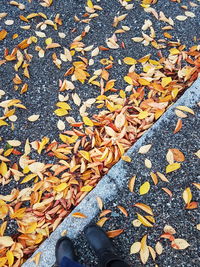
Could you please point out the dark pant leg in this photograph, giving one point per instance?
(69, 263)
(118, 263)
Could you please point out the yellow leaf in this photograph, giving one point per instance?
(10, 257)
(143, 81)
(88, 121)
(144, 207)
(31, 228)
(174, 51)
(184, 108)
(126, 158)
(187, 195)
(129, 61)
(28, 178)
(85, 155)
(60, 187)
(144, 221)
(3, 168)
(144, 188)
(63, 105)
(48, 41)
(2, 123)
(61, 112)
(172, 167)
(143, 114)
(128, 79)
(86, 188)
(166, 81)
(102, 221)
(90, 4)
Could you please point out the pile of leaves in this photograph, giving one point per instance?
(91, 146)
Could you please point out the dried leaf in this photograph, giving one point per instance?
(14, 143)
(129, 61)
(144, 221)
(131, 183)
(102, 221)
(172, 167)
(187, 195)
(177, 154)
(178, 127)
(186, 109)
(144, 149)
(144, 207)
(180, 243)
(144, 188)
(114, 233)
(135, 248)
(169, 229)
(79, 215)
(181, 18)
(33, 118)
(100, 202)
(123, 210)
(6, 241)
(120, 120)
(148, 163)
(159, 248)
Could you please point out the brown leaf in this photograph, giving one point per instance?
(178, 155)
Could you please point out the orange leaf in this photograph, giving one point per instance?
(123, 210)
(178, 126)
(102, 221)
(144, 207)
(131, 183)
(3, 34)
(79, 215)
(191, 205)
(169, 192)
(114, 233)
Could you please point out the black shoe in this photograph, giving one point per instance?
(101, 244)
(64, 248)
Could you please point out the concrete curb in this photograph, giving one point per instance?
(108, 187)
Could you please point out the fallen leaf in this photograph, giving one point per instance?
(131, 183)
(135, 248)
(172, 167)
(14, 143)
(129, 61)
(144, 221)
(144, 207)
(184, 108)
(187, 195)
(179, 243)
(169, 229)
(159, 248)
(178, 155)
(33, 118)
(100, 202)
(178, 127)
(148, 163)
(114, 233)
(6, 241)
(144, 188)
(79, 215)
(144, 149)
(123, 210)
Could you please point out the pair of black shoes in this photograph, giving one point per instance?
(99, 242)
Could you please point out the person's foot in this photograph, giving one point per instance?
(64, 248)
(101, 244)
